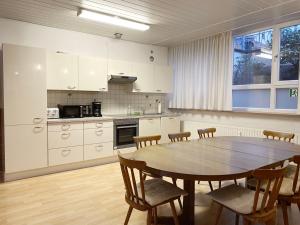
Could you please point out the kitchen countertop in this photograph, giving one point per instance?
(110, 118)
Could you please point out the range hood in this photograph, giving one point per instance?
(118, 79)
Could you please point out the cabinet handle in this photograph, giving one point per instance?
(65, 152)
(99, 125)
(71, 87)
(65, 127)
(121, 73)
(37, 129)
(99, 132)
(99, 148)
(137, 89)
(37, 120)
(102, 89)
(171, 118)
(158, 90)
(65, 135)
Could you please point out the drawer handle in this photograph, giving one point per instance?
(102, 89)
(37, 120)
(65, 152)
(65, 126)
(158, 90)
(99, 132)
(99, 148)
(65, 135)
(99, 125)
(171, 118)
(71, 87)
(37, 129)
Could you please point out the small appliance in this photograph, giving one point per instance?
(52, 113)
(71, 111)
(124, 131)
(96, 107)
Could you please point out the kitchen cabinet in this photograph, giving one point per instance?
(24, 79)
(169, 125)
(96, 151)
(119, 67)
(149, 126)
(65, 155)
(25, 147)
(163, 79)
(62, 71)
(145, 77)
(92, 74)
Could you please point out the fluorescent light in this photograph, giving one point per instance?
(114, 20)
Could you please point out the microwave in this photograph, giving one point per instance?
(74, 111)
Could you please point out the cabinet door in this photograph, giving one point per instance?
(25, 93)
(118, 67)
(163, 79)
(25, 147)
(149, 126)
(62, 71)
(92, 74)
(169, 125)
(145, 77)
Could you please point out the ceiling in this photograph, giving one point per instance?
(172, 21)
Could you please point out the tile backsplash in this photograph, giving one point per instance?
(117, 100)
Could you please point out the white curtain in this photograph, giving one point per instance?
(202, 72)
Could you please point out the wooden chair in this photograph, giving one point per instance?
(279, 135)
(146, 195)
(206, 133)
(290, 190)
(253, 206)
(184, 136)
(142, 141)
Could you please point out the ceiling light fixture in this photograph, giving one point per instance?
(114, 20)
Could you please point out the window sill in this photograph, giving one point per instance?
(266, 112)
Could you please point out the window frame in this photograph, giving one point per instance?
(275, 82)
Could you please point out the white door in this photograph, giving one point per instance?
(169, 125)
(92, 74)
(62, 71)
(25, 147)
(163, 79)
(149, 126)
(25, 93)
(145, 77)
(118, 67)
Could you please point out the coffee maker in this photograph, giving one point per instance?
(96, 108)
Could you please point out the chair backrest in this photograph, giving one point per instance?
(132, 176)
(279, 135)
(296, 160)
(179, 136)
(142, 141)
(270, 180)
(206, 133)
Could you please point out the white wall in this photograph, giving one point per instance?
(53, 39)
(238, 124)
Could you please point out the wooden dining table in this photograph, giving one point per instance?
(213, 159)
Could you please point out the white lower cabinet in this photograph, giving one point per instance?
(169, 125)
(149, 126)
(99, 135)
(67, 138)
(65, 155)
(25, 147)
(99, 150)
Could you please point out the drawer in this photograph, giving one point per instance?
(65, 139)
(93, 136)
(96, 125)
(96, 151)
(65, 155)
(65, 126)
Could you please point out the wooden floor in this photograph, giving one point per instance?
(92, 196)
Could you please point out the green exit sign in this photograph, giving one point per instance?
(293, 92)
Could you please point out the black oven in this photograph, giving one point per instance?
(124, 131)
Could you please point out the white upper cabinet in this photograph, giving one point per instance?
(62, 71)
(118, 67)
(144, 73)
(92, 74)
(163, 79)
(25, 93)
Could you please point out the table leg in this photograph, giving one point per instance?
(188, 214)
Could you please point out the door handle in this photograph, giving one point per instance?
(65, 152)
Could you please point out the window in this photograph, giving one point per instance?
(266, 69)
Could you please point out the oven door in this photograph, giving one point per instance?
(124, 135)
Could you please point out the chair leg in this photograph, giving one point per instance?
(284, 212)
(298, 204)
(128, 215)
(237, 219)
(246, 222)
(149, 217)
(235, 181)
(174, 213)
(220, 184)
(155, 215)
(210, 185)
(218, 214)
(198, 181)
(144, 177)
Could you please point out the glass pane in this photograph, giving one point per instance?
(259, 98)
(253, 58)
(289, 53)
(285, 99)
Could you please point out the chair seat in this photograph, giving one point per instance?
(291, 171)
(236, 198)
(286, 186)
(158, 191)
